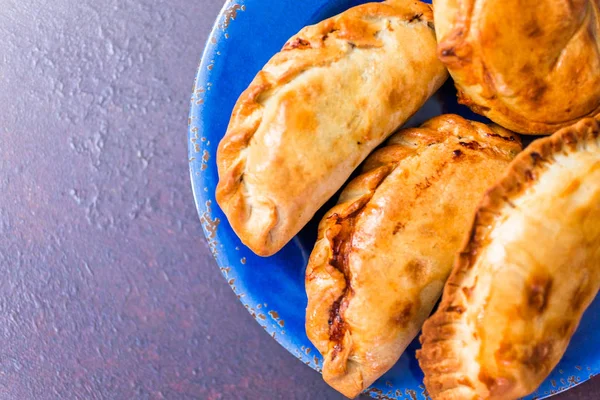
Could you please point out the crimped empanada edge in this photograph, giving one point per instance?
(332, 253)
(442, 331)
(329, 253)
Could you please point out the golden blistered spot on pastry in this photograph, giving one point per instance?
(527, 69)
(362, 103)
(533, 29)
(417, 270)
(470, 145)
(297, 43)
(358, 33)
(452, 209)
(403, 313)
(537, 90)
(303, 118)
(538, 291)
(396, 97)
(505, 355)
(539, 357)
(399, 227)
(497, 386)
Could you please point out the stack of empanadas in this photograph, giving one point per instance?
(530, 263)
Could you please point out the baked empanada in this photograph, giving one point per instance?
(530, 268)
(531, 66)
(316, 110)
(384, 252)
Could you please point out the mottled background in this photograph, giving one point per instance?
(108, 289)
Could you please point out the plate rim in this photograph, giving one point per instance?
(204, 200)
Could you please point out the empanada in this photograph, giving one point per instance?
(384, 252)
(530, 268)
(531, 66)
(316, 110)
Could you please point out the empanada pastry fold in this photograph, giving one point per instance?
(316, 110)
(535, 75)
(529, 269)
(384, 252)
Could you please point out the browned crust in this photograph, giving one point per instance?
(457, 51)
(324, 42)
(438, 357)
(341, 246)
(337, 227)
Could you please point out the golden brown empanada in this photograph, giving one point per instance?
(316, 110)
(384, 252)
(530, 268)
(531, 66)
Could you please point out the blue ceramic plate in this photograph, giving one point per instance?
(245, 36)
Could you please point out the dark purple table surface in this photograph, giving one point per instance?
(108, 289)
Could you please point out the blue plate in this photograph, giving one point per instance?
(245, 36)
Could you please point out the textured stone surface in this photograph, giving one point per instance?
(108, 290)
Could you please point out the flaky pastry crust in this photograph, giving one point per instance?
(528, 271)
(384, 252)
(316, 110)
(530, 66)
